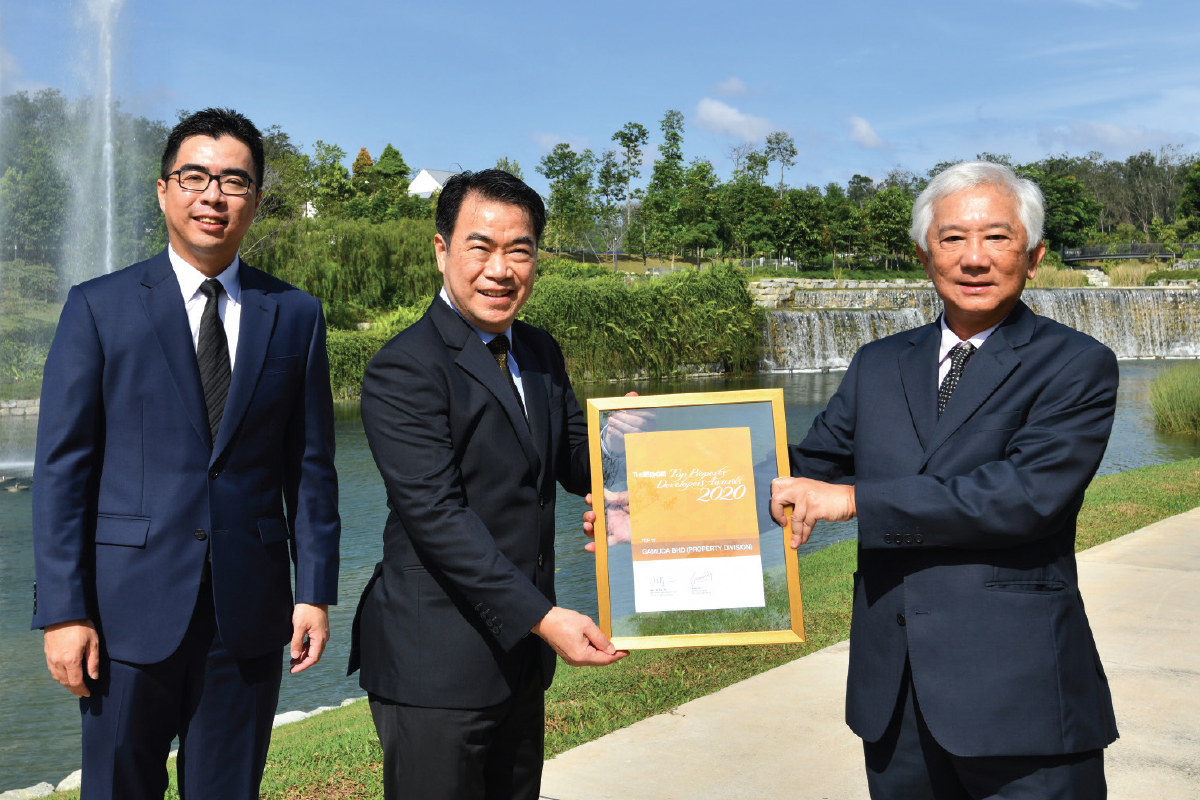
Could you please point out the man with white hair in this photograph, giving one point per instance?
(964, 448)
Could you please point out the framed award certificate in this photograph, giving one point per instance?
(686, 551)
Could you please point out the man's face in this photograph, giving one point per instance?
(977, 257)
(488, 266)
(206, 228)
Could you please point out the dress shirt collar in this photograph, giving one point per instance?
(190, 278)
(487, 337)
(950, 338)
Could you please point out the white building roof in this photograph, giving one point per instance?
(429, 181)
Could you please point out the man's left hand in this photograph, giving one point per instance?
(310, 634)
(813, 501)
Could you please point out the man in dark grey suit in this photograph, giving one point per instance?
(964, 448)
(471, 420)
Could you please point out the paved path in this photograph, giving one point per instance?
(781, 734)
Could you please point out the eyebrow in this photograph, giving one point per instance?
(952, 227)
(241, 173)
(480, 237)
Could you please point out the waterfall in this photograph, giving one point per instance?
(103, 14)
(824, 328)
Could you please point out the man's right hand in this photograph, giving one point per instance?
(577, 639)
(70, 646)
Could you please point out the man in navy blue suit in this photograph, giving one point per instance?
(184, 463)
(964, 448)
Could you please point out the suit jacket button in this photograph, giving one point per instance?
(908, 537)
(900, 620)
(200, 535)
(213, 473)
(918, 538)
(887, 538)
(541, 502)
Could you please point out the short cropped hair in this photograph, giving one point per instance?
(215, 122)
(490, 184)
(1031, 208)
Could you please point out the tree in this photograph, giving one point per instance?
(799, 222)
(570, 176)
(737, 154)
(700, 223)
(782, 148)
(511, 167)
(888, 216)
(860, 190)
(362, 163)
(1189, 196)
(661, 207)
(1071, 211)
(632, 138)
(331, 179)
(610, 191)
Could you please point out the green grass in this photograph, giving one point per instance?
(337, 755)
(1172, 275)
(1175, 398)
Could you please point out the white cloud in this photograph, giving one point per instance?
(731, 86)
(861, 133)
(717, 117)
(1083, 136)
(12, 77)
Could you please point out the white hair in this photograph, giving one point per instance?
(1031, 210)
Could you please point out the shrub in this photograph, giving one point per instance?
(1172, 275)
(1051, 277)
(609, 329)
(349, 352)
(1175, 398)
(1129, 273)
(353, 264)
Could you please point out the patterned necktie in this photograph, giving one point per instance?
(212, 355)
(959, 357)
(499, 347)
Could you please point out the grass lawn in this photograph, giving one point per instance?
(336, 754)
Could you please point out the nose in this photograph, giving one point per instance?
(976, 254)
(496, 267)
(212, 195)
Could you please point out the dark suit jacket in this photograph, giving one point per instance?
(468, 549)
(129, 494)
(966, 559)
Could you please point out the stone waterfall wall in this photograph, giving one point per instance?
(820, 329)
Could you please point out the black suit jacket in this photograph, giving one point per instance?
(966, 558)
(468, 557)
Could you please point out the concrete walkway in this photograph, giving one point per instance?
(781, 734)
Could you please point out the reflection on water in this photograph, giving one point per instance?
(39, 721)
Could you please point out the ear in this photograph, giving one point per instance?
(162, 196)
(1035, 259)
(440, 248)
(923, 257)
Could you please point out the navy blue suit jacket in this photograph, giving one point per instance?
(966, 544)
(468, 549)
(129, 494)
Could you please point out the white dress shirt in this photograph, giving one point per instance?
(229, 307)
(950, 339)
(487, 337)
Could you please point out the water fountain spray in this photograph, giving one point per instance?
(104, 14)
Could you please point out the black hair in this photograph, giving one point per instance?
(490, 184)
(216, 122)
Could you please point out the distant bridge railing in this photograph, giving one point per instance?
(1096, 252)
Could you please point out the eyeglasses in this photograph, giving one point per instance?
(197, 180)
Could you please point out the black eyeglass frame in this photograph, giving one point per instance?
(211, 177)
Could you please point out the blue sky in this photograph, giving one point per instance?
(862, 86)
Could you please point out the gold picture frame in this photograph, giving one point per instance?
(740, 407)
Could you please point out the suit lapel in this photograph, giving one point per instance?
(163, 303)
(984, 373)
(476, 360)
(918, 373)
(254, 335)
(536, 403)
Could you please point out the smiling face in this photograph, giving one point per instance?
(206, 228)
(488, 266)
(978, 258)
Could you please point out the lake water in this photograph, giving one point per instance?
(39, 720)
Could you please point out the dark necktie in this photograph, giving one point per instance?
(959, 357)
(499, 347)
(212, 355)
